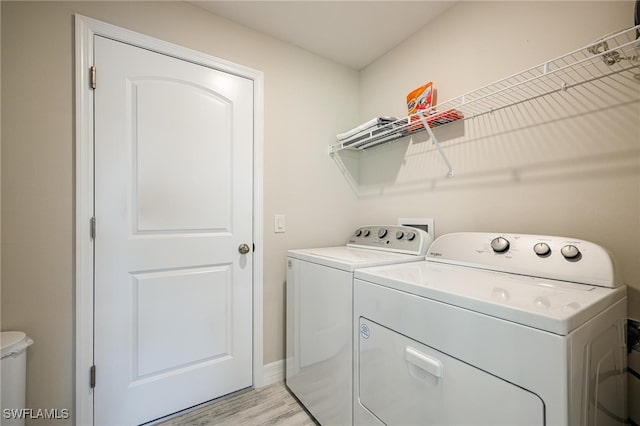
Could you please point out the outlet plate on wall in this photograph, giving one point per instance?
(425, 224)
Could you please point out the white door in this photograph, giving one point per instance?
(173, 203)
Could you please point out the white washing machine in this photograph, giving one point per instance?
(319, 360)
(492, 330)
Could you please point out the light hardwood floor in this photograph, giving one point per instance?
(271, 405)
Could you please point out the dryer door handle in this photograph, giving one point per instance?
(423, 361)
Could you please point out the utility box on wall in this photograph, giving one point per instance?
(421, 223)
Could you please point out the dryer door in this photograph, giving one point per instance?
(401, 381)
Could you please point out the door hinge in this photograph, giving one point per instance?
(92, 228)
(92, 376)
(92, 74)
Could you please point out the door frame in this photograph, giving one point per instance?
(85, 29)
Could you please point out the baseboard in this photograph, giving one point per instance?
(272, 373)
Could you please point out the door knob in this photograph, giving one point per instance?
(244, 248)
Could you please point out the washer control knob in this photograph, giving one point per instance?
(570, 252)
(542, 249)
(411, 235)
(500, 244)
(399, 235)
(358, 232)
(366, 233)
(382, 232)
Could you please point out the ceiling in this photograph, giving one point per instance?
(352, 33)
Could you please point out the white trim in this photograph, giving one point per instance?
(258, 231)
(273, 373)
(85, 30)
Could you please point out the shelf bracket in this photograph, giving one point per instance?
(434, 140)
(333, 148)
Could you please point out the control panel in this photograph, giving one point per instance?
(559, 258)
(542, 249)
(395, 238)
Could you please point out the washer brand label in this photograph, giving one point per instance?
(364, 331)
(434, 254)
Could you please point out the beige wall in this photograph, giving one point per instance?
(307, 101)
(549, 167)
(517, 171)
(0, 178)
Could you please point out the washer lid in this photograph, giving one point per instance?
(555, 306)
(350, 258)
(13, 343)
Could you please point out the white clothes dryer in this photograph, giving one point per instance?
(319, 323)
(492, 330)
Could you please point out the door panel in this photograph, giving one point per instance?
(182, 157)
(173, 201)
(202, 296)
(404, 382)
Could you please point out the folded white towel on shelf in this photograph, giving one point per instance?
(366, 128)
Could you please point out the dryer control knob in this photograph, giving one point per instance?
(411, 235)
(382, 232)
(570, 252)
(399, 235)
(542, 249)
(500, 244)
(358, 232)
(366, 233)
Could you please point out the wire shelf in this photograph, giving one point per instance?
(611, 55)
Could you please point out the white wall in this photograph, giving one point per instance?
(518, 171)
(307, 101)
(552, 166)
(0, 179)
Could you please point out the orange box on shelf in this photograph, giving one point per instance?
(420, 99)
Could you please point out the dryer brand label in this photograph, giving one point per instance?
(364, 331)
